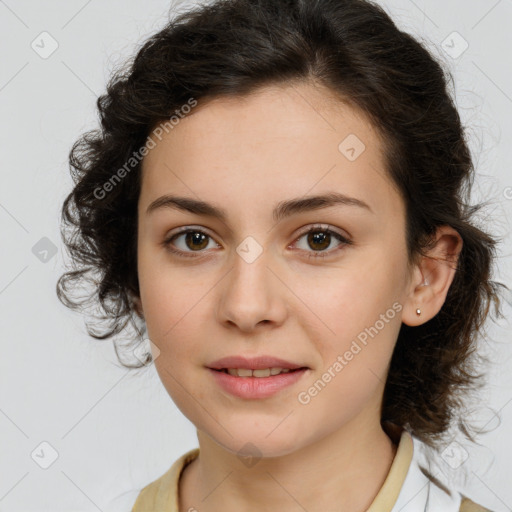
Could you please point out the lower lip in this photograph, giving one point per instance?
(256, 387)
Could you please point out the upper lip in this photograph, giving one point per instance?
(253, 363)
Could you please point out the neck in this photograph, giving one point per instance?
(346, 470)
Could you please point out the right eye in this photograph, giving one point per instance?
(188, 238)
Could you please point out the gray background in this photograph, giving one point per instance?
(113, 430)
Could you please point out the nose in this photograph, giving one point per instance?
(252, 294)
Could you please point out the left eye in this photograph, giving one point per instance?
(321, 238)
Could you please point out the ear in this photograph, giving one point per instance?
(432, 277)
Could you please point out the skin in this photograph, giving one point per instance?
(246, 155)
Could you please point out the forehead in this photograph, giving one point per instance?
(272, 115)
(279, 142)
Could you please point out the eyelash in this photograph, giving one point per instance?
(167, 243)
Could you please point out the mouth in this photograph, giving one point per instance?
(258, 373)
(254, 364)
(249, 384)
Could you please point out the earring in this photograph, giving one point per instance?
(418, 311)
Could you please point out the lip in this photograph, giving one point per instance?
(253, 363)
(256, 387)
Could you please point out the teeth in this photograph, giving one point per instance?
(246, 372)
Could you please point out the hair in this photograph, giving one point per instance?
(232, 48)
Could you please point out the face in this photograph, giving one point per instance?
(257, 283)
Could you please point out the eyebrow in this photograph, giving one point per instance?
(282, 210)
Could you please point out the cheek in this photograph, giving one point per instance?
(354, 355)
(172, 311)
(347, 302)
(169, 295)
(175, 323)
(355, 316)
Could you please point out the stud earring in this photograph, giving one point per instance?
(418, 311)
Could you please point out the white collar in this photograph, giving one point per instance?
(418, 493)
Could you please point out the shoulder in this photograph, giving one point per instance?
(442, 496)
(470, 506)
(161, 495)
(425, 489)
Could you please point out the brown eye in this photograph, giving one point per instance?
(320, 239)
(188, 241)
(196, 240)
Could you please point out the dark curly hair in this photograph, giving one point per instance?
(233, 47)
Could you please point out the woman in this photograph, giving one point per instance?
(278, 195)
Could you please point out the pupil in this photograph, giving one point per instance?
(196, 237)
(319, 237)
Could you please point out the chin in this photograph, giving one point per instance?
(254, 441)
